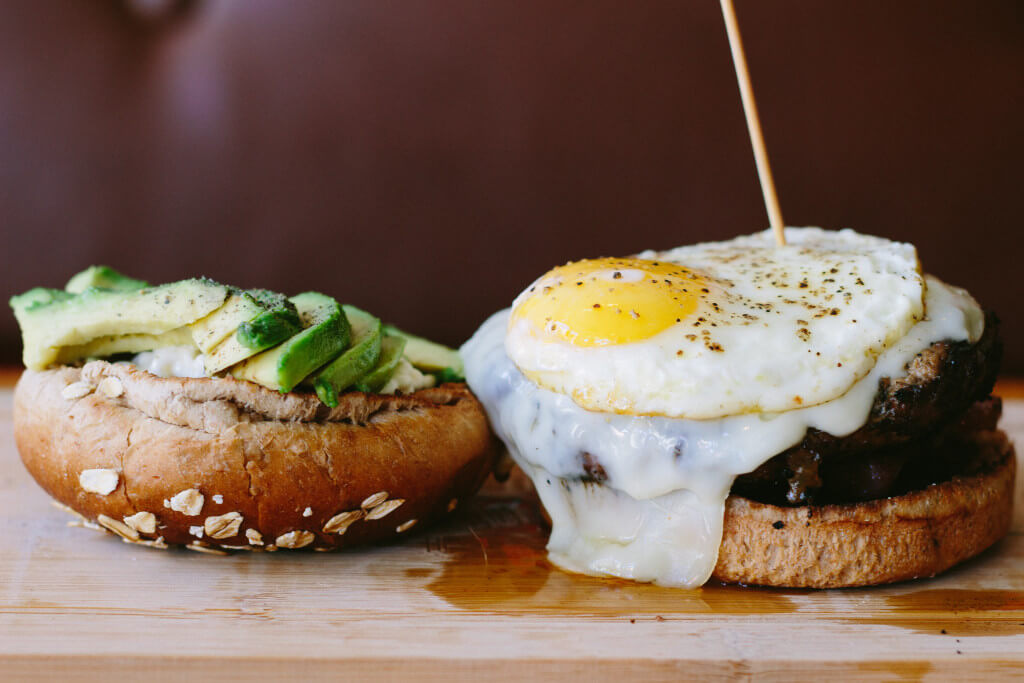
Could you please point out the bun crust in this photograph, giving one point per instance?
(915, 535)
(221, 463)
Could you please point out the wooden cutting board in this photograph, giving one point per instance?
(473, 599)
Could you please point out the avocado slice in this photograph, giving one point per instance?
(391, 349)
(38, 296)
(219, 325)
(128, 343)
(103, 277)
(46, 327)
(278, 321)
(229, 352)
(324, 336)
(448, 375)
(269, 327)
(359, 359)
(430, 356)
(273, 315)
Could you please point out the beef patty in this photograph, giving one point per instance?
(910, 439)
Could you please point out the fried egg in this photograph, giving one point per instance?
(718, 329)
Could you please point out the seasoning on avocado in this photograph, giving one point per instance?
(325, 335)
(256, 334)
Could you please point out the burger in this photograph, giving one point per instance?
(817, 414)
(217, 418)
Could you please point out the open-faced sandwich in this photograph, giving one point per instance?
(199, 414)
(816, 414)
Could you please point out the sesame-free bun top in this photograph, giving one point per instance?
(222, 463)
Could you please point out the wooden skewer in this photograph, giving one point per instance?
(764, 171)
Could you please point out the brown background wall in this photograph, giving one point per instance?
(426, 159)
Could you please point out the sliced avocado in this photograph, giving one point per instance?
(103, 277)
(448, 375)
(391, 349)
(324, 336)
(38, 296)
(46, 327)
(229, 352)
(224, 328)
(271, 314)
(219, 325)
(359, 359)
(430, 356)
(129, 343)
(278, 321)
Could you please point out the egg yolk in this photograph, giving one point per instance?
(607, 301)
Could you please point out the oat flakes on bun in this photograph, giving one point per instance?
(216, 418)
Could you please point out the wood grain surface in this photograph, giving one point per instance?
(473, 599)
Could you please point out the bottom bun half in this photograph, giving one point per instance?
(918, 534)
(224, 464)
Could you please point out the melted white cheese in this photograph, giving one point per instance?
(172, 361)
(658, 516)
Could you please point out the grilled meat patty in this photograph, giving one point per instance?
(909, 441)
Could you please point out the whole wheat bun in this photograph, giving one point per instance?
(218, 463)
(915, 535)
